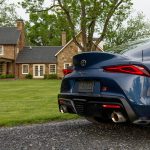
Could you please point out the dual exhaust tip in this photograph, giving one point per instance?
(63, 109)
(118, 117)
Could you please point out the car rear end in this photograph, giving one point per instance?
(97, 89)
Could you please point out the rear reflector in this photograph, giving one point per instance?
(129, 69)
(61, 101)
(111, 106)
(67, 71)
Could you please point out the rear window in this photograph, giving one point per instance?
(133, 48)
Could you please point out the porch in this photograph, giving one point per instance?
(6, 66)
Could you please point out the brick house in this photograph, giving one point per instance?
(20, 60)
(11, 42)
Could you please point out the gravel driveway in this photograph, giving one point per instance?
(75, 135)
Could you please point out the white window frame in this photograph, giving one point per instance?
(23, 70)
(50, 70)
(79, 50)
(34, 65)
(17, 50)
(2, 50)
(65, 65)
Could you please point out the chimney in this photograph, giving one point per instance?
(63, 38)
(20, 26)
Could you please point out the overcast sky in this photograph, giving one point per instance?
(142, 5)
(139, 5)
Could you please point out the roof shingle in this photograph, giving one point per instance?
(9, 35)
(38, 54)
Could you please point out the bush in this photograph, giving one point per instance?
(10, 76)
(29, 76)
(50, 76)
(45, 76)
(2, 76)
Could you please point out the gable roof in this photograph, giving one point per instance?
(67, 44)
(9, 35)
(38, 54)
(72, 41)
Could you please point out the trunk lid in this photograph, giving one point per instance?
(97, 60)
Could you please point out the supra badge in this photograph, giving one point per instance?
(83, 63)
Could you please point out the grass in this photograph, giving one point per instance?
(30, 101)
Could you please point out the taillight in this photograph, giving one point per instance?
(111, 106)
(130, 69)
(67, 71)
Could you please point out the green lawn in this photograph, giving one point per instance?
(29, 101)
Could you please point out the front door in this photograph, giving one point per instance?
(38, 71)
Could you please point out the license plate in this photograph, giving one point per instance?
(85, 86)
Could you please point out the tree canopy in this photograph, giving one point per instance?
(45, 29)
(124, 30)
(88, 16)
(8, 15)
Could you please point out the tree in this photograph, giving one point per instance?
(8, 14)
(130, 29)
(45, 29)
(2, 1)
(83, 15)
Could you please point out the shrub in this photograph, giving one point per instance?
(50, 76)
(10, 76)
(29, 76)
(2, 76)
(45, 76)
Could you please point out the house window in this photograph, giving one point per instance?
(52, 68)
(1, 68)
(1, 50)
(66, 65)
(25, 69)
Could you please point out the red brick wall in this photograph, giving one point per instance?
(9, 51)
(65, 56)
(19, 71)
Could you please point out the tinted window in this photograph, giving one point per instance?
(138, 50)
(132, 48)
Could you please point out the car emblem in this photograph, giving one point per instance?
(83, 63)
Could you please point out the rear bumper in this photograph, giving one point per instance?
(91, 105)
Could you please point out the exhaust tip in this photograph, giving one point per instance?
(142, 122)
(63, 109)
(117, 117)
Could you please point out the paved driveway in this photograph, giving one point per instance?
(75, 135)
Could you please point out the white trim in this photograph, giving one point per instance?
(2, 50)
(49, 69)
(65, 64)
(23, 70)
(72, 41)
(38, 70)
(98, 46)
(17, 50)
(67, 44)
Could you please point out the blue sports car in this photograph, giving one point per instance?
(106, 86)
